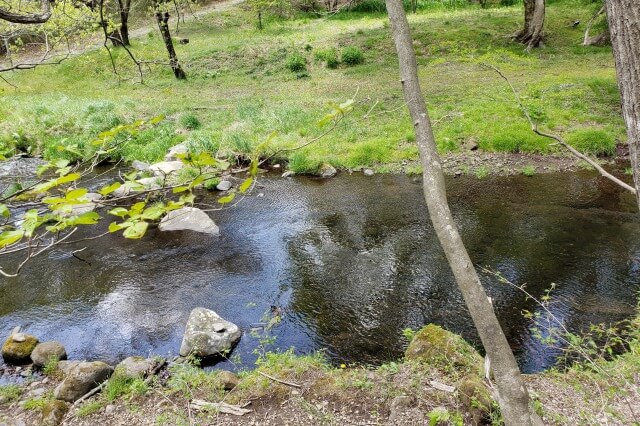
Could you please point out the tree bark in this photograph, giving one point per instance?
(624, 26)
(513, 395)
(28, 18)
(162, 17)
(123, 8)
(531, 34)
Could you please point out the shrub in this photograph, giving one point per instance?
(529, 171)
(328, 56)
(190, 122)
(352, 55)
(296, 63)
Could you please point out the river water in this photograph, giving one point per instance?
(350, 262)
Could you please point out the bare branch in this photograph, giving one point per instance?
(557, 138)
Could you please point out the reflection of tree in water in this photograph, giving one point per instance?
(367, 272)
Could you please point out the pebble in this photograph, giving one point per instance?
(109, 409)
(225, 185)
(368, 172)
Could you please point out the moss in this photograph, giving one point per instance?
(18, 352)
(442, 349)
(475, 398)
(54, 412)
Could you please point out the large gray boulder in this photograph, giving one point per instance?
(46, 351)
(67, 366)
(208, 334)
(81, 379)
(135, 367)
(189, 219)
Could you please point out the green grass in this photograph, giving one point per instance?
(10, 392)
(241, 89)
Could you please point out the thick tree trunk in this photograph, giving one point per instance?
(123, 8)
(531, 34)
(624, 26)
(162, 17)
(513, 395)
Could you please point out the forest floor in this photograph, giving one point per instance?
(241, 80)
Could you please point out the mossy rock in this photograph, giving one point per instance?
(475, 398)
(54, 412)
(18, 347)
(440, 348)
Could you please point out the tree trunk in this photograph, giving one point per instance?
(624, 26)
(513, 395)
(531, 34)
(124, 7)
(162, 17)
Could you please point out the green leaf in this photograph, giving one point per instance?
(187, 199)
(154, 212)
(74, 194)
(136, 231)
(197, 181)
(227, 199)
(137, 207)
(115, 227)
(4, 210)
(246, 185)
(89, 218)
(119, 211)
(110, 188)
(9, 237)
(253, 168)
(180, 189)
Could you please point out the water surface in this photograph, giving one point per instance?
(350, 261)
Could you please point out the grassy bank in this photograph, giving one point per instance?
(245, 84)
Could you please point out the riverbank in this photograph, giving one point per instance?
(437, 386)
(240, 83)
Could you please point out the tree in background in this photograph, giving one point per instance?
(161, 12)
(512, 392)
(624, 25)
(532, 33)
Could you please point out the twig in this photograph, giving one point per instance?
(294, 385)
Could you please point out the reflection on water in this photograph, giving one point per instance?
(352, 261)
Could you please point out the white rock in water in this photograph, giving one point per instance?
(225, 185)
(173, 153)
(368, 172)
(208, 334)
(166, 167)
(189, 219)
(326, 170)
(140, 166)
(151, 182)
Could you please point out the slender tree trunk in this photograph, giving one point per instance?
(531, 34)
(162, 17)
(123, 7)
(624, 26)
(513, 395)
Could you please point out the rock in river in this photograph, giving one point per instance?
(46, 351)
(208, 334)
(166, 167)
(81, 379)
(18, 347)
(189, 219)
